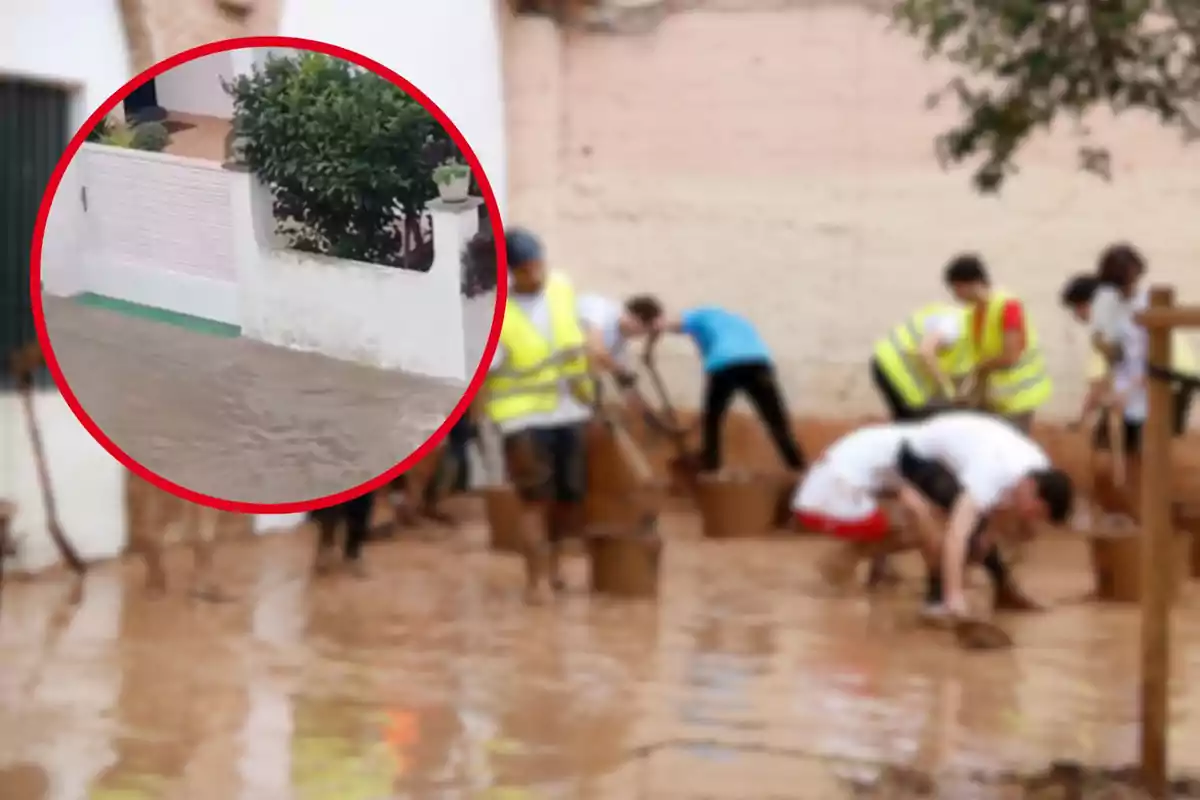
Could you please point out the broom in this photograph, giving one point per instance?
(23, 363)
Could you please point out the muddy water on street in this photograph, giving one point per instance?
(431, 679)
(238, 419)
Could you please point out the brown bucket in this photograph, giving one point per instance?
(1111, 498)
(625, 561)
(1185, 516)
(739, 505)
(616, 496)
(1117, 564)
(504, 519)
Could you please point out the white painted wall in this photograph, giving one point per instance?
(450, 49)
(87, 481)
(157, 231)
(63, 272)
(195, 86)
(77, 44)
(385, 317)
(190, 236)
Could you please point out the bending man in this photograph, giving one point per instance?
(975, 467)
(854, 492)
(736, 359)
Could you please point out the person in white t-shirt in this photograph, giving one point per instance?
(995, 468)
(609, 328)
(854, 493)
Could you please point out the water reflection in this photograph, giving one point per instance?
(426, 681)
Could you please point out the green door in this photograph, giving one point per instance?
(33, 135)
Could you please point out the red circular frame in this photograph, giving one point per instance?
(238, 44)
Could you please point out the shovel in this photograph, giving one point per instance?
(685, 466)
(684, 456)
(23, 362)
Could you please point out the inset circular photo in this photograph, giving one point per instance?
(249, 276)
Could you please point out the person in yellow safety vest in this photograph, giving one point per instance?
(1078, 297)
(1008, 364)
(916, 367)
(539, 392)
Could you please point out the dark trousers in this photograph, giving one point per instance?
(758, 381)
(357, 515)
(549, 466)
(451, 474)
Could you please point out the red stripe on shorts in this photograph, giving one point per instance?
(867, 529)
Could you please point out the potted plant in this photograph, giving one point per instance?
(453, 179)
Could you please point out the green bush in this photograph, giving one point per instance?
(348, 157)
(152, 136)
(101, 130)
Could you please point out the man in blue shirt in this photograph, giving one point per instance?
(735, 359)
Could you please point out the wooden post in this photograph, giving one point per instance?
(1157, 550)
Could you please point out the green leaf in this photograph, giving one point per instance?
(1041, 59)
(341, 149)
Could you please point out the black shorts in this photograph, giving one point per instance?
(548, 464)
(936, 484)
(1182, 408)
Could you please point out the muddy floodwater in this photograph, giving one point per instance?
(431, 679)
(238, 419)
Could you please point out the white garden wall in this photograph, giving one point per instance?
(386, 317)
(158, 231)
(63, 272)
(190, 236)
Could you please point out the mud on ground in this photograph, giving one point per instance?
(432, 679)
(238, 419)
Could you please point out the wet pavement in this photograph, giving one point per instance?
(239, 419)
(431, 679)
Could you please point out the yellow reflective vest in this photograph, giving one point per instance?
(531, 381)
(1026, 385)
(898, 357)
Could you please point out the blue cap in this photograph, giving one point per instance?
(522, 247)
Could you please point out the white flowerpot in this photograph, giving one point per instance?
(455, 190)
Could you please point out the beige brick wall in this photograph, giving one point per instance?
(780, 163)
